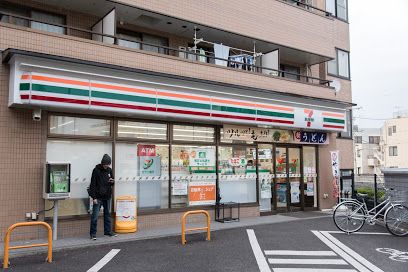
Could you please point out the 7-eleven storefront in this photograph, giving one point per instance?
(178, 144)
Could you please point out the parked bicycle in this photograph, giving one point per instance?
(351, 214)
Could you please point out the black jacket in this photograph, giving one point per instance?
(100, 187)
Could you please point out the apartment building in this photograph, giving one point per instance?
(394, 143)
(367, 152)
(237, 101)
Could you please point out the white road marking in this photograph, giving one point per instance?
(299, 253)
(260, 258)
(307, 261)
(104, 260)
(361, 232)
(351, 252)
(340, 252)
(297, 269)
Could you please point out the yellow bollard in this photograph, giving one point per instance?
(25, 224)
(183, 225)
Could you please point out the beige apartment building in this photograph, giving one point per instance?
(197, 102)
(394, 143)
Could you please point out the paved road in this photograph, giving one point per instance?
(303, 245)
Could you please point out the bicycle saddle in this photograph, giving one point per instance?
(362, 195)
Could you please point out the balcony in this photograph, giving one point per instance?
(192, 59)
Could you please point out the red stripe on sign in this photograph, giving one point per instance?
(184, 112)
(115, 105)
(59, 99)
(275, 121)
(24, 96)
(233, 116)
(332, 126)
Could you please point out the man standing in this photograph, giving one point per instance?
(100, 191)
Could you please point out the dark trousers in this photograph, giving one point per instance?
(107, 223)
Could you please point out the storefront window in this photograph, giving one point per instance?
(67, 125)
(141, 130)
(193, 176)
(193, 133)
(310, 176)
(295, 177)
(237, 174)
(83, 156)
(142, 171)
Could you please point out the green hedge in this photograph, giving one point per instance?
(370, 192)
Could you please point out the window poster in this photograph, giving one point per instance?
(179, 187)
(281, 193)
(294, 192)
(266, 188)
(149, 163)
(201, 193)
(309, 187)
(202, 160)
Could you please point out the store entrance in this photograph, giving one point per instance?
(281, 187)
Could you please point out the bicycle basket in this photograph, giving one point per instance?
(400, 196)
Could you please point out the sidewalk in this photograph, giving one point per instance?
(84, 241)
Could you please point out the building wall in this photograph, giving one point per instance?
(291, 26)
(399, 139)
(22, 149)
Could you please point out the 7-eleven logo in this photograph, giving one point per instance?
(309, 117)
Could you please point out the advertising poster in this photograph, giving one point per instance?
(266, 188)
(202, 160)
(310, 187)
(179, 187)
(294, 192)
(126, 210)
(201, 193)
(281, 193)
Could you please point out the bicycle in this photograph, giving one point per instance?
(350, 215)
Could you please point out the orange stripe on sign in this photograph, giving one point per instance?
(274, 107)
(333, 114)
(122, 88)
(60, 80)
(186, 96)
(25, 77)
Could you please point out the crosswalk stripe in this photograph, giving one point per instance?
(299, 253)
(297, 269)
(307, 261)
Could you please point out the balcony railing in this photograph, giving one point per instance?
(303, 4)
(191, 55)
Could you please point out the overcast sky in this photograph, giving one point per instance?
(379, 59)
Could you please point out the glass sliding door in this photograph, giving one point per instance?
(265, 176)
(281, 182)
(310, 176)
(294, 165)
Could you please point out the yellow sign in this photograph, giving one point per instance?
(126, 214)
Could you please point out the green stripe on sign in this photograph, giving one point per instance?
(184, 104)
(276, 114)
(24, 86)
(59, 90)
(233, 109)
(124, 97)
(331, 120)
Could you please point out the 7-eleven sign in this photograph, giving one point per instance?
(309, 119)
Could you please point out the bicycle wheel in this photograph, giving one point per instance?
(396, 220)
(349, 217)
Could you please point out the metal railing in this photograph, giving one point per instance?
(185, 54)
(308, 7)
(7, 246)
(183, 225)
